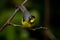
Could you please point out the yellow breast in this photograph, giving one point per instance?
(26, 24)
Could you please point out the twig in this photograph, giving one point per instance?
(49, 34)
(24, 2)
(15, 25)
(39, 28)
(9, 20)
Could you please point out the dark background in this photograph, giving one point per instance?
(7, 7)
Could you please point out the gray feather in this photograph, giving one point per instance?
(26, 14)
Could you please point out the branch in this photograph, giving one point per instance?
(24, 2)
(15, 25)
(39, 28)
(49, 34)
(9, 20)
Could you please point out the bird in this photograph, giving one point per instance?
(28, 19)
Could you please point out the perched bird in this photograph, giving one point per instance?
(28, 19)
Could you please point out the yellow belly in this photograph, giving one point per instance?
(26, 24)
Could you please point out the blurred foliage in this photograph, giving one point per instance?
(35, 7)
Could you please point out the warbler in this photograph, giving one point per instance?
(28, 19)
